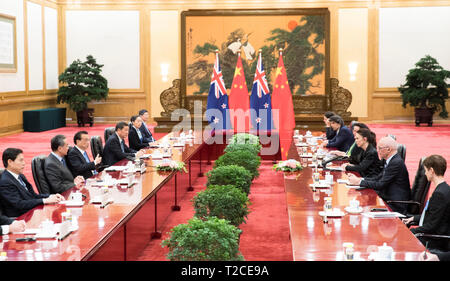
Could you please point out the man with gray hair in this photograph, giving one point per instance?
(393, 181)
(58, 173)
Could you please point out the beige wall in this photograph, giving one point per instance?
(354, 37)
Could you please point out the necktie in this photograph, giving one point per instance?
(122, 147)
(139, 134)
(422, 217)
(63, 162)
(22, 183)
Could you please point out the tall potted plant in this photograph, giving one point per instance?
(426, 90)
(82, 83)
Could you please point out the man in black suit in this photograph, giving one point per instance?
(115, 147)
(79, 159)
(58, 173)
(16, 193)
(435, 218)
(146, 134)
(135, 136)
(392, 183)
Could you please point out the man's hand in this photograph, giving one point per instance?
(408, 220)
(53, 199)
(428, 257)
(353, 180)
(98, 159)
(17, 226)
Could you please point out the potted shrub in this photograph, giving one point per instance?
(243, 158)
(212, 239)
(222, 201)
(234, 175)
(82, 83)
(242, 146)
(246, 138)
(426, 90)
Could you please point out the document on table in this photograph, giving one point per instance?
(383, 215)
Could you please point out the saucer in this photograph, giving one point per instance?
(352, 210)
(332, 214)
(72, 203)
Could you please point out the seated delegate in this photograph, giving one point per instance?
(369, 163)
(80, 164)
(392, 183)
(135, 137)
(343, 139)
(17, 195)
(115, 148)
(329, 132)
(354, 152)
(435, 218)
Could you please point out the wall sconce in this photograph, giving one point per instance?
(164, 71)
(352, 69)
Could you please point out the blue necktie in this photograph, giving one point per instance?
(63, 162)
(22, 183)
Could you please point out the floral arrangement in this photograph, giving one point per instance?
(290, 165)
(171, 165)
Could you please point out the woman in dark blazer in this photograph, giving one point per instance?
(344, 137)
(135, 136)
(369, 164)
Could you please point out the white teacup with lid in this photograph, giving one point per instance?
(385, 252)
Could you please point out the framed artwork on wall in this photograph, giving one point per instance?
(302, 34)
(8, 45)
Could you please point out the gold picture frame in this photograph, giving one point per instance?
(8, 44)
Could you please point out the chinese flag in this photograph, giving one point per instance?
(238, 100)
(282, 100)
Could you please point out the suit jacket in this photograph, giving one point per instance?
(146, 134)
(59, 177)
(134, 141)
(330, 133)
(79, 165)
(112, 153)
(16, 200)
(369, 163)
(343, 139)
(437, 215)
(355, 155)
(392, 183)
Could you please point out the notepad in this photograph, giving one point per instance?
(383, 215)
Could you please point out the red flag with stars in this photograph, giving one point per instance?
(282, 99)
(239, 100)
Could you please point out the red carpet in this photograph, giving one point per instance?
(265, 236)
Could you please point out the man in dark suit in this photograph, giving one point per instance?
(146, 134)
(392, 183)
(135, 136)
(58, 173)
(79, 159)
(16, 193)
(343, 139)
(115, 147)
(435, 218)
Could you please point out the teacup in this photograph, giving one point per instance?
(48, 227)
(385, 252)
(77, 196)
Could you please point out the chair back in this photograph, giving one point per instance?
(419, 190)
(38, 170)
(108, 132)
(401, 150)
(96, 146)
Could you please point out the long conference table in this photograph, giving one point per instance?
(312, 239)
(121, 230)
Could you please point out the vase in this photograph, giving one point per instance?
(291, 175)
(424, 115)
(85, 116)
